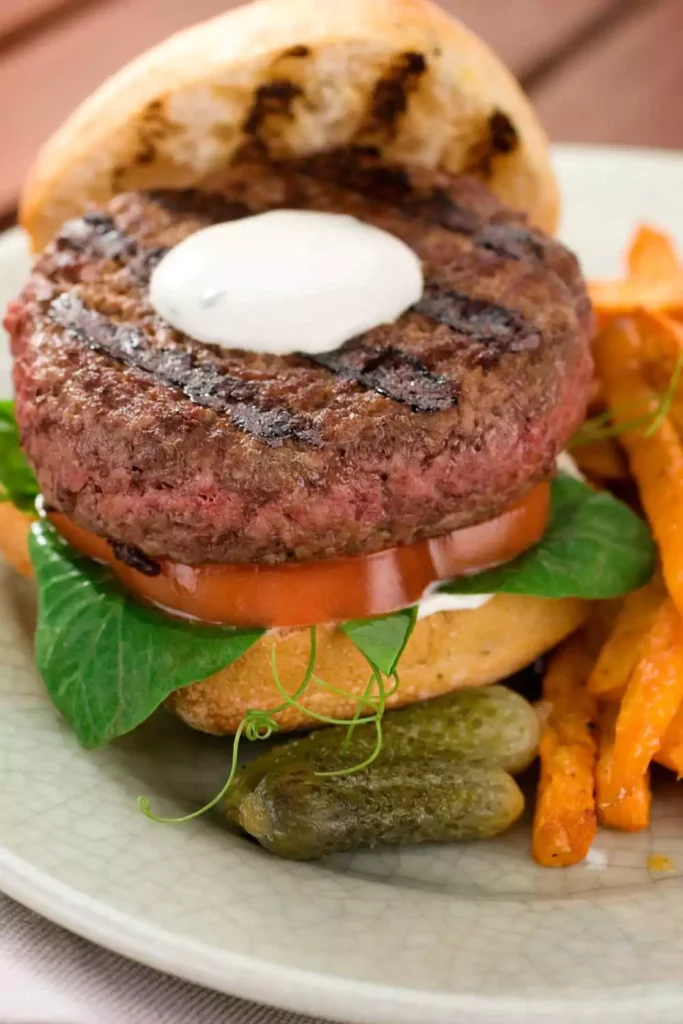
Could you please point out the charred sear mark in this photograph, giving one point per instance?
(135, 558)
(499, 137)
(270, 99)
(202, 382)
(509, 240)
(498, 329)
(95, 236)
(443, 210)
(504, 138)
(389, 100)
(390, 372)
(141, 266)
(195, 203)
(297, 51)
(359, 169)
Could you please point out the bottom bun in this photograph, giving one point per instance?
(447, 651)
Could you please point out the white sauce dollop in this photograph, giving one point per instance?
(567, 464)
(433, 602)
(286, 280)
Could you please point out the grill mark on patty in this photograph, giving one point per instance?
(95, 235)
(512, 241)
(387, 183)
(402, 377)
(203, 383)
(195, 203)
(392, 373)
(144, 263)
(499, 329)
(135, 558)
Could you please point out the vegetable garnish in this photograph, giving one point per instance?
(108, 662)
(565, 821)
(17, 482)
(652, 256)
(595, 548)
(630, 811)
(619, 654)
(653, 696)
(301, 594)
(656, 461)
(612, 424)
(638, 675)
(261, 725)
(670, 753)
(655, 279)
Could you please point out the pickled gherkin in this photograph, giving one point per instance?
(298, 814)
(490, 724)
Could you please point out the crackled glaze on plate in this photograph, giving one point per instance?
(474, 934)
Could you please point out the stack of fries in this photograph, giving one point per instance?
(617, 705)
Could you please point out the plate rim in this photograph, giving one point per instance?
(293, 988)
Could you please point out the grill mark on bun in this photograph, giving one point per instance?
(499, 329)
(272, 98)
(297, 51)
(389, 98)
(499, 138)
(203, 383)
(392, 373)
(504, 137)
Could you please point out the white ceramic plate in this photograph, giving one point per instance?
(473, 934)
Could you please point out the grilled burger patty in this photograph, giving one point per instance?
(191, 452)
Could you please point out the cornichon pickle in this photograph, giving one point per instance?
(295, 813)
(491, 724)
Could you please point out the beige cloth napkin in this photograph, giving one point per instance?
(48, 976)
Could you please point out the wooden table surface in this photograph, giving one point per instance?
(598, 70)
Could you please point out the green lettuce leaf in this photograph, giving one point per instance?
(109, 662)
(17, 482)
(382, 639)
(595, 548)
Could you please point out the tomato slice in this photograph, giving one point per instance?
(313, 593)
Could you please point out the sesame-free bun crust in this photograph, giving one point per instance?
(298, 77)
(447, 651)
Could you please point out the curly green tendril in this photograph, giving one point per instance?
(602, 427)
(261, 725)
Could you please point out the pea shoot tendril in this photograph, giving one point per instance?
(262, 724)
(604, 426)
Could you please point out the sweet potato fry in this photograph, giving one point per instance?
(620, 298)
(619, 655)
(564, 823)
(652, 255)
(656, 460)
(628, 808)
(661, 345)
(653, 696)
(601, 460)
(670, 754)
(655, 280)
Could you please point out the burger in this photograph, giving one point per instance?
(293, 371)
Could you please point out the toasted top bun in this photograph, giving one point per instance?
(298, 77)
